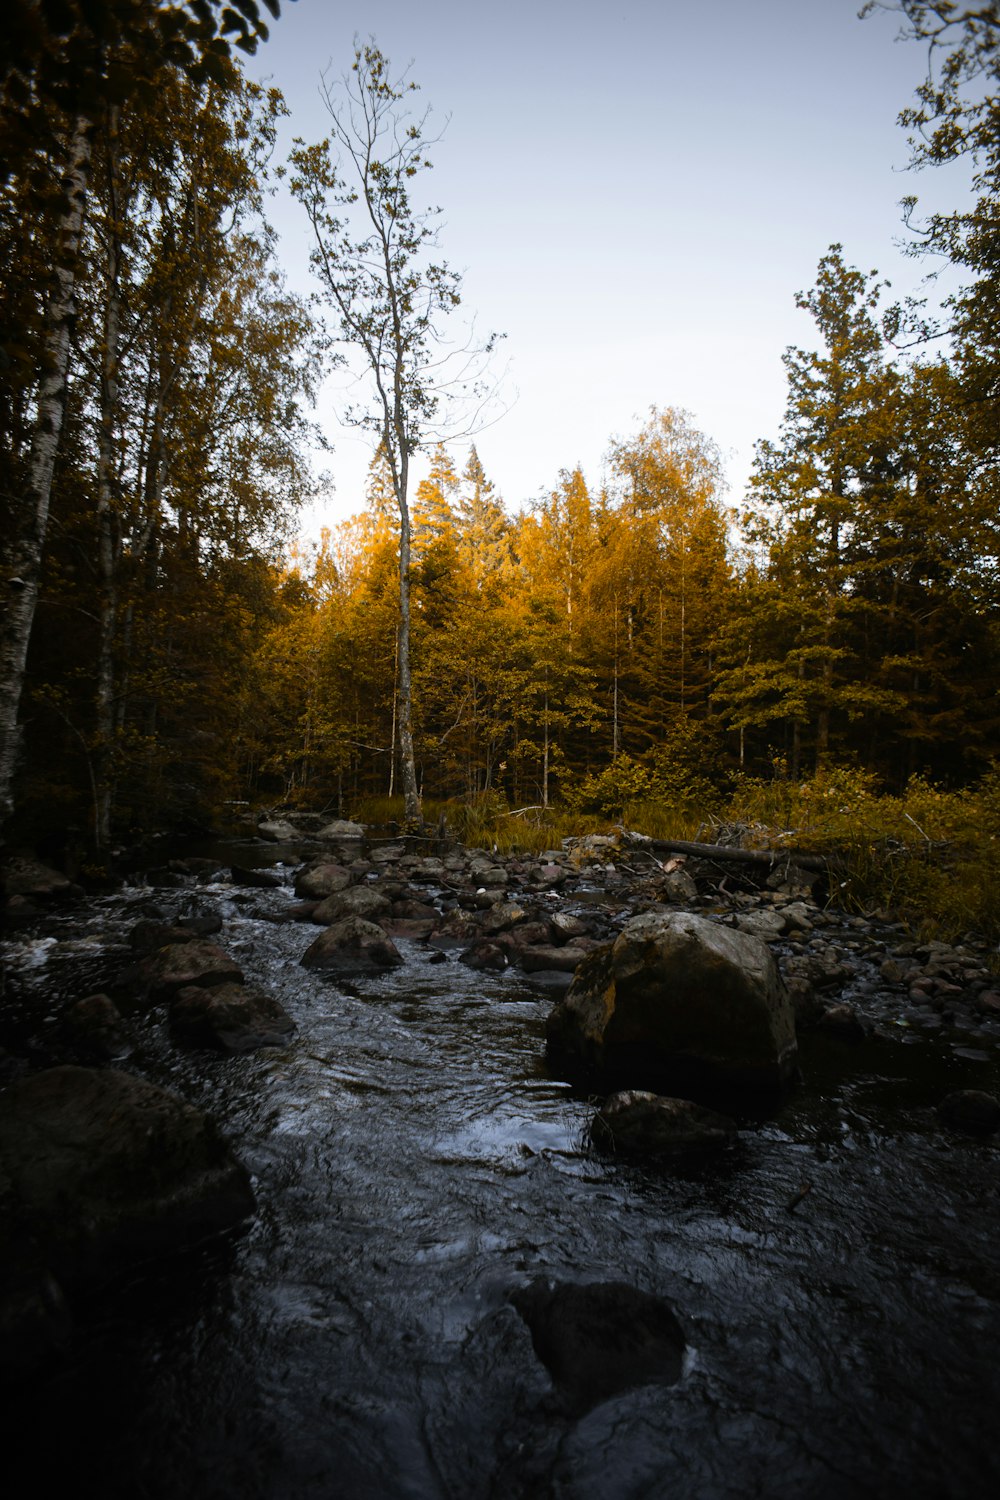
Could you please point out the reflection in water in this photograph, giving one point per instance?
(415, 1166)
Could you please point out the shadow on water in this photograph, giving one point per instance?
(835, 1276)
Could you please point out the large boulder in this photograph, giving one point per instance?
(597, 1339)
(682, 1006)
(637, 1123)
(341, 828)
(321, 880)
(352, 946)
(355, 901)
(99, 1170)
(174, 967)
(228, 1018)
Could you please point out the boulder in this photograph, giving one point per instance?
(677, 887)
(637, 1123)
(355, 901)
(565, 959)
(94, 1025)
(320, 881)
(278, 831)
(601, 1338)
(341, 828)
(228, 1018)
(101, 1170)
(769, 925)
(352, 946)
(254, 879)
(682, 1006)
(972, 1111)
(172, 968)
(25, 876)
(484, 955)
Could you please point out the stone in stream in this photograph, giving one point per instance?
(356, 901)
(637, 1123)
(682, 1006)
(228, 1018)
(971, 1110)
(170, 969)
(100, 1171)
(341, 828)
(352, 946)
(601, 1338)
(254, 879)
(279, 831)
(322, 880)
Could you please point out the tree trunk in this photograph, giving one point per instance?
(411, 794)
(23, 559)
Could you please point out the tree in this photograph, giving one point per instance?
(62, 64)
(373, 257)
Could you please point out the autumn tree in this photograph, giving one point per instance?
(61, 66)
(373, 254)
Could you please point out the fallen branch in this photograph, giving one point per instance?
(769, 858)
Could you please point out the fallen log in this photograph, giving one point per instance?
(770, 858)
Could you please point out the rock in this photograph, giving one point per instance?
(563, 959)
(484, 955)
(261, 880)
(642, 1124)
(279, 831)
(550, 876)
(415, 911)
(682, 1006)
(565, 927)
(95, 1025)
(25, 876)
(172, 968)
(504, 916)
(341, 828)
(972, 1111)
(455, 930)
(843, 1022)
(356, 901)
(320, 881)
(352, 946)
(102, 1170)
(892, 971)
(676, 886)
(598, 1339)
(228, 1018)
(768, 925)
(148, 935)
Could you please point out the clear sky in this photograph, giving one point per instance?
(634, 191)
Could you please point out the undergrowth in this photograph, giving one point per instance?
(930, 857)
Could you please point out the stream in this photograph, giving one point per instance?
(836, 1276)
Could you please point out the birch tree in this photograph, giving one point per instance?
(374, 257)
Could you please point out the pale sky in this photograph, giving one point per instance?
(634, 192)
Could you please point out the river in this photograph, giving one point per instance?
(836, 1276)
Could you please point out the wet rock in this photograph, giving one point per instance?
(228, 1018)
(253, 879)
(504, 916)
(101, 1170)
(683, 1006)
(484, 955)
(320, 881)
(172, 968)
(768, 925)
(842, 1022)
(676, 886)
(95, 1025)
(352, 946)
(341, 828)
(356, 901)
(148, 935)
(37, 883)
(455, 930)
(205, 926)
(638, 1123)
(419, 911)
(278, 831)
(598, 1339)
(972, 1111)
(565, 927)
(564, 959)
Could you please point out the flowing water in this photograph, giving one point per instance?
(837, 1276)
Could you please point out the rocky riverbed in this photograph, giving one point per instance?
(824, 1286)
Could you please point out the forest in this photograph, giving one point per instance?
(641, 648)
